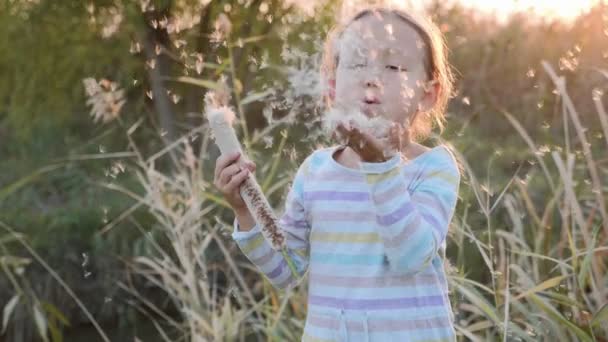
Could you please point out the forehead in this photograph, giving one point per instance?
(382, 33)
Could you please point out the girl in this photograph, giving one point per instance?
(369, 229)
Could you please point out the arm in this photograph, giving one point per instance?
(414, 223)
(296, 229)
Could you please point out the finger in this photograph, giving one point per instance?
(228, 173)
(224, 160)
(252, 167)
(237, 180)
(342, 133)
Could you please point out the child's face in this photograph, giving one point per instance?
(381, 69)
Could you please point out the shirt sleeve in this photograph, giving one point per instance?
(413, 224)
(296, 228)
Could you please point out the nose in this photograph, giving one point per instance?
(371, 81)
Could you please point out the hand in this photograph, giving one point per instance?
(229, 176)
(373, 149)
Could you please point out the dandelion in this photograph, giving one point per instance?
(223, 27)
(105, 98)
(221, 118)
(111, 19)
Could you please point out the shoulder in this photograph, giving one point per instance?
(313, 161)
(441, 161)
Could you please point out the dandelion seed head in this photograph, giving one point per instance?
(105, 99)
(110, 20)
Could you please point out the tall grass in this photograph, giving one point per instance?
(547, 269)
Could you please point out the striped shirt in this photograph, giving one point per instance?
(372, 241)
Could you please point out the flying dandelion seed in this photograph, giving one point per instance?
(151, 63)
(178, 43)
(199, 63)
(268, 140)
(597, 94)
(135, 48)
(531, 73)
(85, 260)
(389, 29)
(175, 98)
(144, 4)
(163, 22)
(466, 101)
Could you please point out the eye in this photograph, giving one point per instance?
(396, 68)
(356, 66)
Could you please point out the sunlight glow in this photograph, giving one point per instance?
(562, 9)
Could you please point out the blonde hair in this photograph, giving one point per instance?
(436, 64)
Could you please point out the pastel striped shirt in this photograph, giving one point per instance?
(371, 242)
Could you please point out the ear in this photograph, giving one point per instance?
(432, 90)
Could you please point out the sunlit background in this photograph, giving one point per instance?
(111, 228)
(563, 9)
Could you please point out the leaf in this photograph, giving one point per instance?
(478, 300)
(252, 97)
(8, 310)
(23, 181)
(53, 311)
(41, 323)
(600, 316)
(557, 316)
(194, 81)
(553, 282)
(56, 335)
(582, 276)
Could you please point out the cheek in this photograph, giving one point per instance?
(410, 90)
(344, 84)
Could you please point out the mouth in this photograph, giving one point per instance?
(369, 100)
